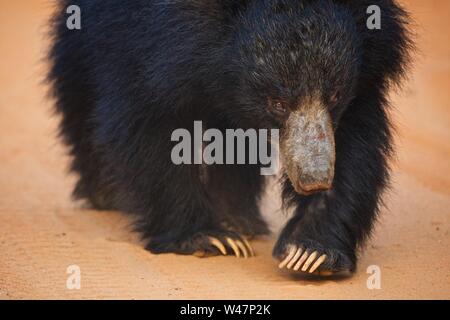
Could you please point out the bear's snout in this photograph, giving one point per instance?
(308, 148)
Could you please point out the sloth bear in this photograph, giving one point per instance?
(138, 70)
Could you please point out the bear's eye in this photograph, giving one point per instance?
(277, 107)
(334, 99)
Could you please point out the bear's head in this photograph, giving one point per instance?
(298, 63)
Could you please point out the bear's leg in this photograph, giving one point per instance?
(236, 190)
(226, 214)
(328, 227)
(185, 220)
(174, 209)
(183, 214)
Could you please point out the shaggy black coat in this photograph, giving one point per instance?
(137, 70)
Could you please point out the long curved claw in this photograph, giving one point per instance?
(302, 259)
(318, 262)
(295, 258)
(242, 247)
(216, 243)
(234, 247)
(250, 248)
(288, 258)
(310, 260)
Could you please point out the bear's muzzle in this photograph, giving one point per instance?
(308, 148)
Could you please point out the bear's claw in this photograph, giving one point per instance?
(236, 245)
(216, 243)
(240, 247)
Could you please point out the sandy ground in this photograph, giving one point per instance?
(42, 232)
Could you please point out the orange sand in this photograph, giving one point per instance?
(42, 232)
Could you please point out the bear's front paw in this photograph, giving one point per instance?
(204, 244)
(311, 257)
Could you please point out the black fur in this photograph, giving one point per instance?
(139, 69)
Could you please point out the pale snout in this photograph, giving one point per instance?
(308, 148)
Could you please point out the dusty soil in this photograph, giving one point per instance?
(42, 231)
